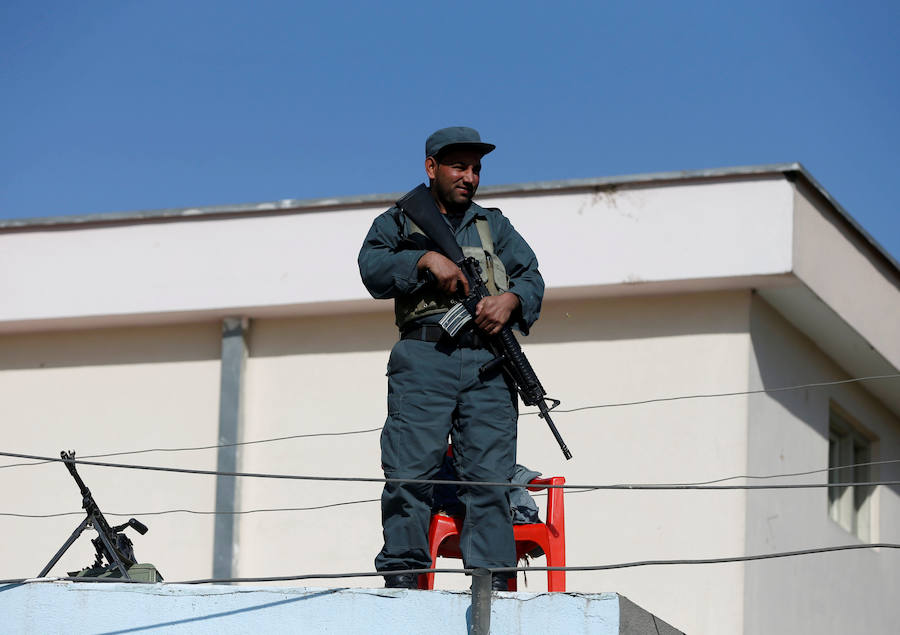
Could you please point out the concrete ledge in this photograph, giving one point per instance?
(65, 607)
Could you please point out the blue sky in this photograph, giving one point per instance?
(111, 106)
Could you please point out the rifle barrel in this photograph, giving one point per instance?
(545, 415)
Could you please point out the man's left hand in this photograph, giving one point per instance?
(493, 312)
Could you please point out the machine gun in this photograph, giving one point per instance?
(421, 208)
(110, 544)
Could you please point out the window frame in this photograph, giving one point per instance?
(852, 506)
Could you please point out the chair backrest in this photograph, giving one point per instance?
(556, 512)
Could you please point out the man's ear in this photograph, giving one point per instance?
(430, 167)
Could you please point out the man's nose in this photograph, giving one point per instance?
(469, 175)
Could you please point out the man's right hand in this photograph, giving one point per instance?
(446, 274)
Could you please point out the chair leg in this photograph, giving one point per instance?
(426, 580)
(556, 580)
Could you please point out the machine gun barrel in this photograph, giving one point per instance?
(110, 544)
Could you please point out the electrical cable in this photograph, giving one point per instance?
(209, 447)
(364, 479)
(600, 567)
(199, 512)
(375, 500)
(557, 410)
(806, 473)
(702, 485)
(721, 394)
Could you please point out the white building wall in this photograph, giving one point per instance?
(858, 284)
(124, 273)
(308, 376)
(327, 374)
(626, 322)
(132, 388)
(788, 432)
(101, 391)
(653, 233)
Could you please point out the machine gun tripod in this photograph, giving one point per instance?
(110, 544)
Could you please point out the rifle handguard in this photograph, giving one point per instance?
(420, 207)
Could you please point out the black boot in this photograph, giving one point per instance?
(499, 582)
(401, 581)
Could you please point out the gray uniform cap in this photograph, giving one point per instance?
(456, 136)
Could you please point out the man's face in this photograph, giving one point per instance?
(454, 178)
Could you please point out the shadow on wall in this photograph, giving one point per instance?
(97, 347)
(787, 357)
(561, 321)
(325, 334)
(222, 614)
(641, 317)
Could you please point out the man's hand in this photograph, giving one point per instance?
(492, 312)
(446, 274)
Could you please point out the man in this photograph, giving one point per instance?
(434, 387)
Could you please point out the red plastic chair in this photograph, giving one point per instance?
(443, 537)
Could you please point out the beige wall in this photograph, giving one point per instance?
(855, 282)
(121, 389)
(307, 376)
(678, 234)
(317, 352)
(327, 374)
(789, 432)
(107, 391)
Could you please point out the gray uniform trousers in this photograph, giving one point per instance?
(433, 391)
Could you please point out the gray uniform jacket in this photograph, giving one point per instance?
(388, 258)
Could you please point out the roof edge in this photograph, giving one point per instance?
(294, 205)
(800, 170)
(291, 204)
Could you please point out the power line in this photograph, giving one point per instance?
(650, 563)
(572, 490)
(199, 512)
(599, 567)
(576, 489)
(363, 479)
(209, 447)
(806, 473)
(722, 394)
(558, 410)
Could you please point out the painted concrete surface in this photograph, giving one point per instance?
(61, 607)
(109, 359)
(795, 595)
(663, 233)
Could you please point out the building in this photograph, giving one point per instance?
(194, 327)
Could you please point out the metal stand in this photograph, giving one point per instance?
(481, 602)
(87, 522)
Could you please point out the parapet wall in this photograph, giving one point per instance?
(64, 607)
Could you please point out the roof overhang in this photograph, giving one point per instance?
(770, 228)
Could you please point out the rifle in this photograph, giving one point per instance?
(110, 544)
(421, 208)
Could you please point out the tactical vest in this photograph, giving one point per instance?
(431, 301)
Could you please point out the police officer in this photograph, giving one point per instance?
(434, 387)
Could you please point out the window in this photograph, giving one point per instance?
(849, 506)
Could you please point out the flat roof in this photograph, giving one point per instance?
(789, 170)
